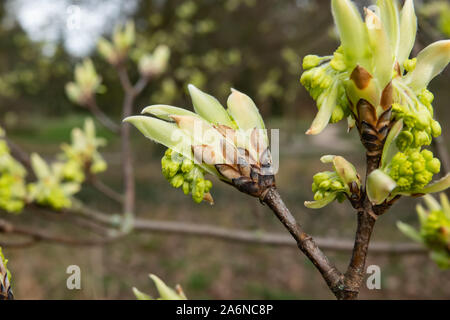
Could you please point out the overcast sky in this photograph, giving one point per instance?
(77, 23)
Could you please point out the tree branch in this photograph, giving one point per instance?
(305, 243)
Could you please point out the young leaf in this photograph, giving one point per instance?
(408, 30)
(430, 62)
(326, 109)
(320, 203)
(379, 186)
(165, 292)
(163, 132)
(209, 107)
(163, 111)
(244, 111)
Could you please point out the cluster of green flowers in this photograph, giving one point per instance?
(182, 172)
(323, 78)
(326, 183)
(434, 230)
(50, 189)
(82, 155)
(416, 111)
(87, 83)
(56, 183)
(12, 182)
(122, 40)
(413, 169)
(334, 185)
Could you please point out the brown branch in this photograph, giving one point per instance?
(306, 244)
(106, 190)
(127, 161)
(45, 236)
(252, 237)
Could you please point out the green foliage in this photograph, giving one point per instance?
(434, 230)
(56, 183)
(12, 180)
(82, 154)
(87, 83)
(49, 189)
(414, 169)
(330, 185)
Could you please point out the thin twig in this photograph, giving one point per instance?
(101, 116)
(106, 190)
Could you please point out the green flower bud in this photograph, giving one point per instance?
(187, 165)
(337, 115)
(421, 138)
(208, 185)
(434, 165)
(404, 140)
(186, 187)
(321, 176)
(318, 196)
(311, 61)
(422, 179)
(427, 154)
(410, 64)
(436, 129)
(426, 97)
(177, 181)
(338, 62)
(198, 190)
(325, 185)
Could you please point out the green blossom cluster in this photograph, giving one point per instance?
(12, 183)
(56, 183)
(50, 189)
(416, 111)
(82, 154)
(182, 172)
(434, 230)
(334, 185)
(327, 183)
(413, 169)
(323, 79)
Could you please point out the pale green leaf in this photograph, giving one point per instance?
(379, 186)
(320, 203)
(209, 107)
(244, 111)
(164, 291)
(431, 61)
(164, 112)
(408, 30)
